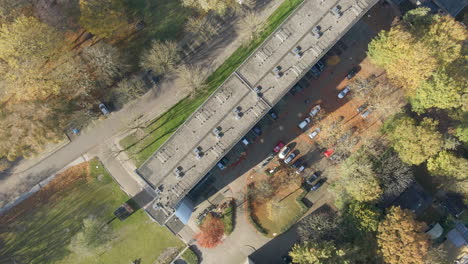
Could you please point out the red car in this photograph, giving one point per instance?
(278, 147)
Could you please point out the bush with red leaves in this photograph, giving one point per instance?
(212, 231)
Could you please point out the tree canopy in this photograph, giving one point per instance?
(359, 179)
(401, 238)
(423, 54)
(414, 142)
(366, 217)
(317, 253)
(449, 165)
(211, 232)
(160, 58)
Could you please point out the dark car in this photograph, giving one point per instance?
(352, 72)
(296, 164)
(222, 163)
(295, 89)
(257, 130)
(317, 185)
(273, 115)
(312, 178)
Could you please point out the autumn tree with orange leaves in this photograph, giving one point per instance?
(402, 239)
(211, 232)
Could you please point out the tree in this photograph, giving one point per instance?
(414, 142)
(363, 87)
(395, 177)
(401, 238)
(366, 217)
(193, 77)
(440, 90)
(202, 25)
(319, 226)
(250, 25)
(462, 133)
(105, 61)
(93, 236)
(26, 45)
(359, 179)
(406, 61)
(103, 18)
(160, 58)
(317, 253)
(218, 6)
(449, 165)
(211, 232)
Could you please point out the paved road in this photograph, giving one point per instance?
(151, 105)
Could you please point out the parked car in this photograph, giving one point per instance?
(222, 163)
(296, 164)
(278, 146)
(273, 115)
(312, 178)
(344, 92)
(245, 141)
(353, 72)
(257, 130)
(317, 185)
(361, 108)
(289, 158)
(300, 169)
(366, 113)
(295, 89)
(104, 109)
(284, 152)
(315, 110)
(302, 125)
(267, 160)
(314, 133)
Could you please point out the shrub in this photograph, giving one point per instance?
(190, 257)
(212, 231)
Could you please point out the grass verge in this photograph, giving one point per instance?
(160, 129)
(228, 218)
(274, 217)
(40, 228)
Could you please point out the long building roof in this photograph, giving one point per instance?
(235, 107)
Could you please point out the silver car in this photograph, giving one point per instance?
(289, 158)
(344, 92)
(314, 133)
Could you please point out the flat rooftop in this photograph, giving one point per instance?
(174, 169)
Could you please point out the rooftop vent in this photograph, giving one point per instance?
(178, 172)
(336, 11)
(237, 112)
(217, 132)
(258, 90)
(297, 51)
(317, 32)
(198, 152)
(277, 71)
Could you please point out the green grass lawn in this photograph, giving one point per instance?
(277, 217)
(41, 234)
(160, 129)
(164, 19)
